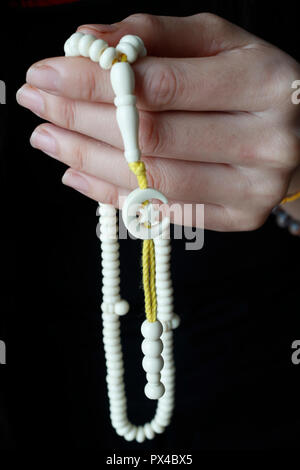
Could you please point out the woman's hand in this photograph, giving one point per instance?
(217, 123)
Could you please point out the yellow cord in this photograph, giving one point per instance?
(292, 198)
(148, 254)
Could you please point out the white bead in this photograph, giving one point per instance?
(111, 264)
(140, 435)
(163, 276)
(152, 348)
(151, 330)
(110, 290)
(111, 272)
(153, 378)
(130, 435)
(110, 317)
(113, 380)
(129, 50)
(156, 427)
(109, 256)
(122, 80)
(154, 391)
(164, 309)
(110, 247)
(97, 49)
(123, 429)
(122, 307)
(166, 300)
(175, 321)
(85, 43)
(107, 58)
(164, 292)
(111, 281)
(152, 364)
(107, 210)
(116, 372)
(71, 45)
(163, 250)
(162, 268)
(149, 433)
(136, 42)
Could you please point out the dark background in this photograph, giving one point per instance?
(238, 297)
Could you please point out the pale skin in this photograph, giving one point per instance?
(217, 124)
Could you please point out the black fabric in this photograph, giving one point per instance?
(238, 297)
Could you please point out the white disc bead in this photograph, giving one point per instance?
(96, 49)
(85, 43)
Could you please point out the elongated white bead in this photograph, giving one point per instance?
(122, 80)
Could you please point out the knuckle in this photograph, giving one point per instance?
(79, 158)
(145, 20)
(210, 19)
(157, 175)
(68, 113)
(162, 86)
(149, 137)
(241, 221)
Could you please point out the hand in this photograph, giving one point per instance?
(217, 124)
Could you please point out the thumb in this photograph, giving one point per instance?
(200, 35)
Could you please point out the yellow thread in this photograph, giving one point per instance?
(148, 252)
(124, 58)
(291, 198)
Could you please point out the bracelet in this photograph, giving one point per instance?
(157, 328)
(284, 220)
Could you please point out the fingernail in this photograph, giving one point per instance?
(31, 99)
(100, 28)
(42, 140)
(75, 181)
(43, 76)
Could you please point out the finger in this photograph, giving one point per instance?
(224, 82)
(207, 137)
(189, 181)
(203, 34)
(181, 213)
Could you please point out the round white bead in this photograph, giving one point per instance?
(107, 58)
(122, 307)
(85, 43)
(153, 365)
(152, 348)
(151, 330)
(71, 45)
(175, 321)
(97, 49)
(154, 391)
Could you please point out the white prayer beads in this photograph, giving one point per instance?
(157, 346)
